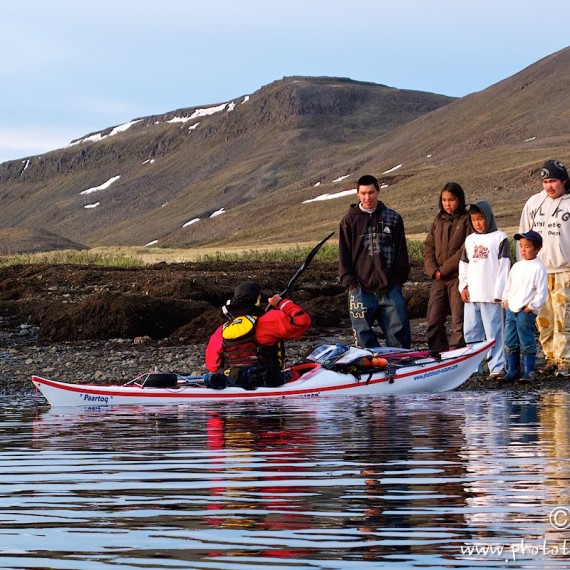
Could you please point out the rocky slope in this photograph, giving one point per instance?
(256, 160)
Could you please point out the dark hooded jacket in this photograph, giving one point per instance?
(372, 249)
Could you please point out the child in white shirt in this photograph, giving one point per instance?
(524, 295)
(483, 271)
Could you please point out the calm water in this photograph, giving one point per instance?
(460, 480)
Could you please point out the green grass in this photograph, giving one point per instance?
(70, 256)
(416, 251)
(327, 253)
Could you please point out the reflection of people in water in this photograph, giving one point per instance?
(410, 453)
(501, 435)
(553, 430)
(270, 452)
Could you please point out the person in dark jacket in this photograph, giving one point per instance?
(442, 251)
(373, 266)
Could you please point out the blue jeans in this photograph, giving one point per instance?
(483, 321)
(388, 309)
(519, 332)
(404, 336)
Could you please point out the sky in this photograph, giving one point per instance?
(69, 69)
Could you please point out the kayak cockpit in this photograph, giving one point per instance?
(155, 380)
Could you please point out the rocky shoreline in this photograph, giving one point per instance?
(117, 361)
(108, 325)
(113, 361)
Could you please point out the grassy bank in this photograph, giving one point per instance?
(71, 256)
(138, 257)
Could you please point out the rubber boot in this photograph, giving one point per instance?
(216, 381)
(513, 367)
(529, 363)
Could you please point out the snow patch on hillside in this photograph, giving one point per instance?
(205, 112)
(392, 169)
(99, 136)
(103, 186)
(201, 112)
(331, 196)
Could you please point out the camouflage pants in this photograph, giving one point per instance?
(553, 319)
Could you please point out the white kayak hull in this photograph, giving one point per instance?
(425, 375)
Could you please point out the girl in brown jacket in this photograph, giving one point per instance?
(442, 250)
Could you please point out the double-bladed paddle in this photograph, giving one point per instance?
(304, 266)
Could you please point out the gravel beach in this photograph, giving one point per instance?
(108, 325)
(117, 361)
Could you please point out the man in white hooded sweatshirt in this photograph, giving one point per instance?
(548, 213)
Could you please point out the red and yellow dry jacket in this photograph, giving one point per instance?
(287, 322)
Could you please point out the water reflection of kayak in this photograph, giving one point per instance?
(329, 370)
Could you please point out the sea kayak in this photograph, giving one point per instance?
(330, 370)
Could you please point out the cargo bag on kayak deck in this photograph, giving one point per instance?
(160, 380)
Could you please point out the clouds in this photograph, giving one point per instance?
(71, 69)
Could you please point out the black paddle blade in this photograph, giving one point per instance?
(305, 264)
(315, 250)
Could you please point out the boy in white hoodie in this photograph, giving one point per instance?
(483, 272)
(548, 213)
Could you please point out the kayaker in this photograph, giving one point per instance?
(247, 350)
(373, 266)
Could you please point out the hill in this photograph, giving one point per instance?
(255, 170)
(145, 180)
(30, 240)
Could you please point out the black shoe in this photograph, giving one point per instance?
(506, 378)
